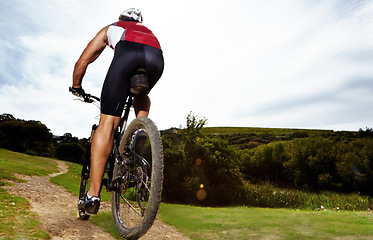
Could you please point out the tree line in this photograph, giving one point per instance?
(214, 169)
(34, 138)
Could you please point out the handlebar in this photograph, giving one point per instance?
(88, 98)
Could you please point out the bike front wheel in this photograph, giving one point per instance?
(138, 178)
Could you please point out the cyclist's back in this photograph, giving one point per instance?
(135, 46)
(132, 32)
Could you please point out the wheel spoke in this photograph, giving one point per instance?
(146, 186)
(131, 206)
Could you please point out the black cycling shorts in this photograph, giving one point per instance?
(128, 57)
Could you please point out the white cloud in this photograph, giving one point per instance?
(243, 63)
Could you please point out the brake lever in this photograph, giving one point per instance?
(87, 98)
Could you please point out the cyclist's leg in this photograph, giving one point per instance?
(153, 63)
(102, 145)
(113, 96)
(141, 104)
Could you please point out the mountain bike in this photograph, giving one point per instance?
(133, 174)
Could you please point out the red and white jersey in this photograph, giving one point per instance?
(132, 32)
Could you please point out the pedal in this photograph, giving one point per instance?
(81, 205)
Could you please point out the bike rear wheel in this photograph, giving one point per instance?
(138, 179)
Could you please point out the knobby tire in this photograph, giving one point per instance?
(120, 205)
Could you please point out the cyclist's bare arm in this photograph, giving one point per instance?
(90, 54)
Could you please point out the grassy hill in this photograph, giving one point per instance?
(263, 131)
(248, 137)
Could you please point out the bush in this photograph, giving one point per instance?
(216, 167)
(200, 170)
(72, 152)
(354, 165)
(265, 163)
(309, 159)
(313, 164)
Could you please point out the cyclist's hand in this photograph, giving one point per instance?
(79, 92)
(85, 97)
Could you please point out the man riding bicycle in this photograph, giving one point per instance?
(136, 51)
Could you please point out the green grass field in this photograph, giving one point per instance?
(265, 223)
(16, 222)
(11, 162)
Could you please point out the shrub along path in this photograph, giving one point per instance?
(56, 210)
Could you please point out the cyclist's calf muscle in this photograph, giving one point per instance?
(102, 145)
(141, 105)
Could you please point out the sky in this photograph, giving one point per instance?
(248, 63)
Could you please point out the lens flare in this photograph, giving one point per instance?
(198, 161)
(201, 194)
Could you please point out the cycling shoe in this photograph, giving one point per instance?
(90, 205)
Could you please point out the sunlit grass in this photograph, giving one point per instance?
(12, 162)
(265, 223)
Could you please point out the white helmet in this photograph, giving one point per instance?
(132, 13)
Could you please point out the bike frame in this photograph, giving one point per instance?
(108, 181)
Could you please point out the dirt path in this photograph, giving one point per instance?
(57, 211)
